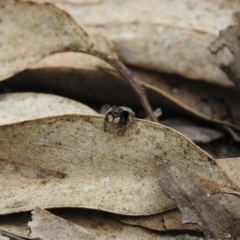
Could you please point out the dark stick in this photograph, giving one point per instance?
(125, 72)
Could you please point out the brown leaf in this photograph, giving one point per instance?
(51, 30)
(195, 99)
(197, 204)
(76, 60)
(72, 161)
(165, 37)
(17, 107)
(82, 84)
(173, 221)
(198, 99)
(232, 168)
(193, 131)
(45, 225)
(153, 222)
(100, 224)
(8, 236)
(166, 221)
(43, 30)
(229, 38)
(16, 224)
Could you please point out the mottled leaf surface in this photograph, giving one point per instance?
(17, 107)
(41, 30)
(70, 161)
(47, 226)
(229, 38)
(197, 204)
(167, 36)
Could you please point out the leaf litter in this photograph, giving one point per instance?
(170, 37)
(18, 107)
(197, 204)
(198, 100)
(52, 30)
(45, 225)
(100, 224)
(229, 38)
(45, 155)
(167, 221)
(49, 28)
(22, 163)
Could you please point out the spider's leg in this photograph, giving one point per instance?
(122, 130)
(106, 119)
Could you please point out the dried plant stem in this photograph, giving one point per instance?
(125, 72)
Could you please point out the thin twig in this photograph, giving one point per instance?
(125, 72)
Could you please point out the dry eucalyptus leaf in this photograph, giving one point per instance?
(166, 221)
(206, 101)
(173, 221)
(193, 131)
(17, 107)
(69, 161)
(51, 30)
(166, 36)
(32, 31)
(76, 60)
(107, 227)
(232, 168)
(88, 85)
(195, 99)
(100, 224)
(47, 226)
(153, 222)
(229, 38)
(8, 236)
(197, 204)
(16, 224)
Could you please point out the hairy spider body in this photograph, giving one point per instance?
(124, 115)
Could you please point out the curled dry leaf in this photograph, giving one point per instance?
(229, 38)
(43, 30)
(167, 221)
(72, 161)
(45, 225)
(205, 101)
(51, 30)
(196, 99)
(100, 224)
(16, 224)
(82, 61)
(82, 84)
(197, 204)
(93, 220)
(17, 107)
(169, 37)
(172, 220)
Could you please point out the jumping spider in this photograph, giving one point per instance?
(123, 115)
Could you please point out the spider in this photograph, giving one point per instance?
(124, 115)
